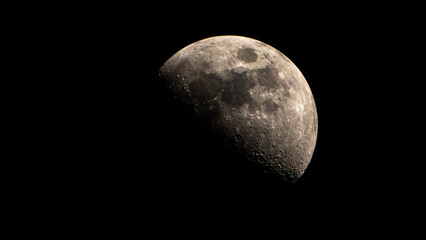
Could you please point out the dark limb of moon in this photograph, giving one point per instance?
(252, 95)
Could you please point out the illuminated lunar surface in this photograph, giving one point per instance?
(253, 95)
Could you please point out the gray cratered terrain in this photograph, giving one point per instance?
(253, 95)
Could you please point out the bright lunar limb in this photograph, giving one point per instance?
(253, 95)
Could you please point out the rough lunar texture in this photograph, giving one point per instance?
(253, 95)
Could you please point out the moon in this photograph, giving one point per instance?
(253, 95)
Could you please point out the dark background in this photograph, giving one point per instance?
(116, 156)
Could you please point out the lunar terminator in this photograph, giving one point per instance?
(253, 95)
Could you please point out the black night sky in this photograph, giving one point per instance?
(120, 159)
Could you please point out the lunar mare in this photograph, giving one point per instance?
(253, 95)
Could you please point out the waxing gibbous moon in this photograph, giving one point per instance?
(253, 95)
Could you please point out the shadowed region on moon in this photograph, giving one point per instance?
(257, 99)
